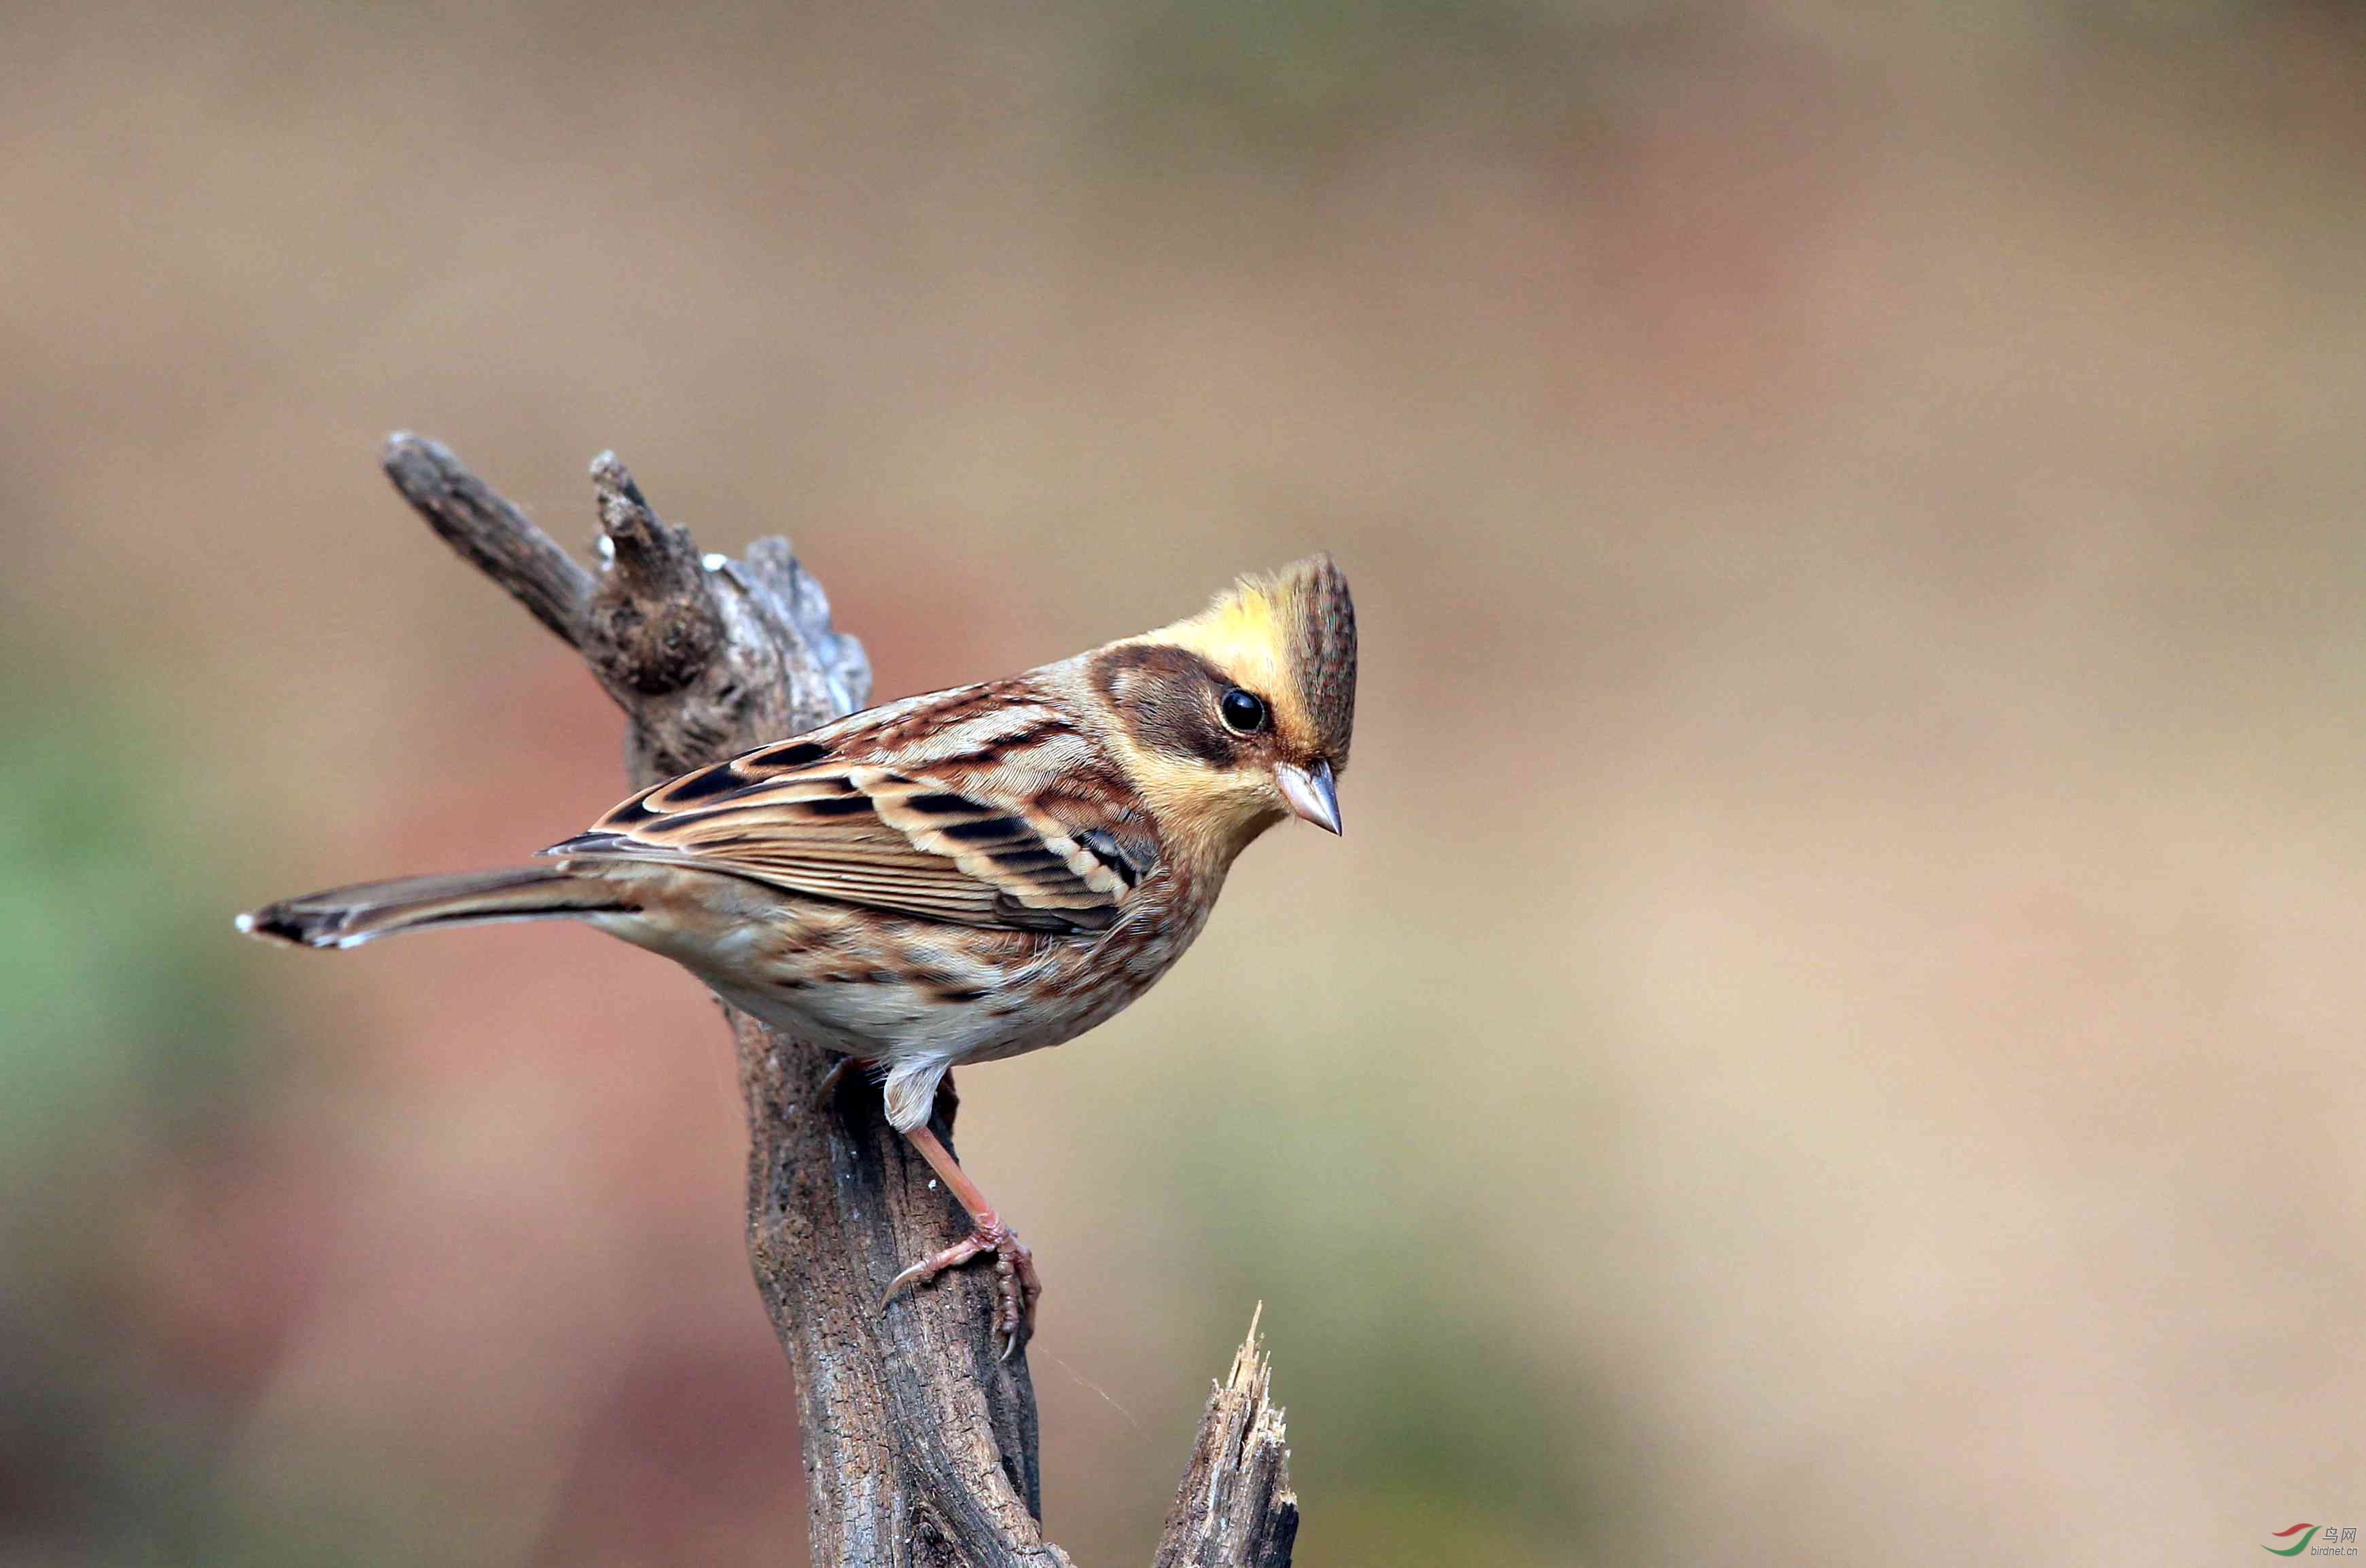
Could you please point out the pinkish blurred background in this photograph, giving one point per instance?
(1833, 1034)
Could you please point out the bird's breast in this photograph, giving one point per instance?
(888, 988)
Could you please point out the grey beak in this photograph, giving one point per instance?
(1313, 793)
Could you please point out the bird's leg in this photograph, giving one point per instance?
(1016, 1284)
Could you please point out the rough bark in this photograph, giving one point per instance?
(1235, 1508)
(919, 1444)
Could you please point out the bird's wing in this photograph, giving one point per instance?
(943, 843)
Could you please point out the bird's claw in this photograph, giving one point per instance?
(1016, 1286)
(825, 1091)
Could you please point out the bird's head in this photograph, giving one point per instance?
(1241, 714)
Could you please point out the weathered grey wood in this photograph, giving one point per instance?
(1235, 1508)
(919, 1443)
(491, 534)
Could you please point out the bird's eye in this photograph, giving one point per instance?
(1243, 712)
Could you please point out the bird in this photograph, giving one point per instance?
(954, 877)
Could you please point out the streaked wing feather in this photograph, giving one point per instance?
(799, 815)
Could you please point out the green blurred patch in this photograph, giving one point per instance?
(1392, 1527)
(111, 950)
(129, 1054)
(1310, 75)
(1428, 1422)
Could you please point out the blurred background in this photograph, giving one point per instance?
(1834, 1030)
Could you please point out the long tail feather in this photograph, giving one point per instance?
(348, 917)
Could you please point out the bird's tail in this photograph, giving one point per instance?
(348, 917)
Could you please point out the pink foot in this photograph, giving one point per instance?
(1016, 1284)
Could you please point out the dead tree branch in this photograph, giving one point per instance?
(919, 1444)
(1235, 1508)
